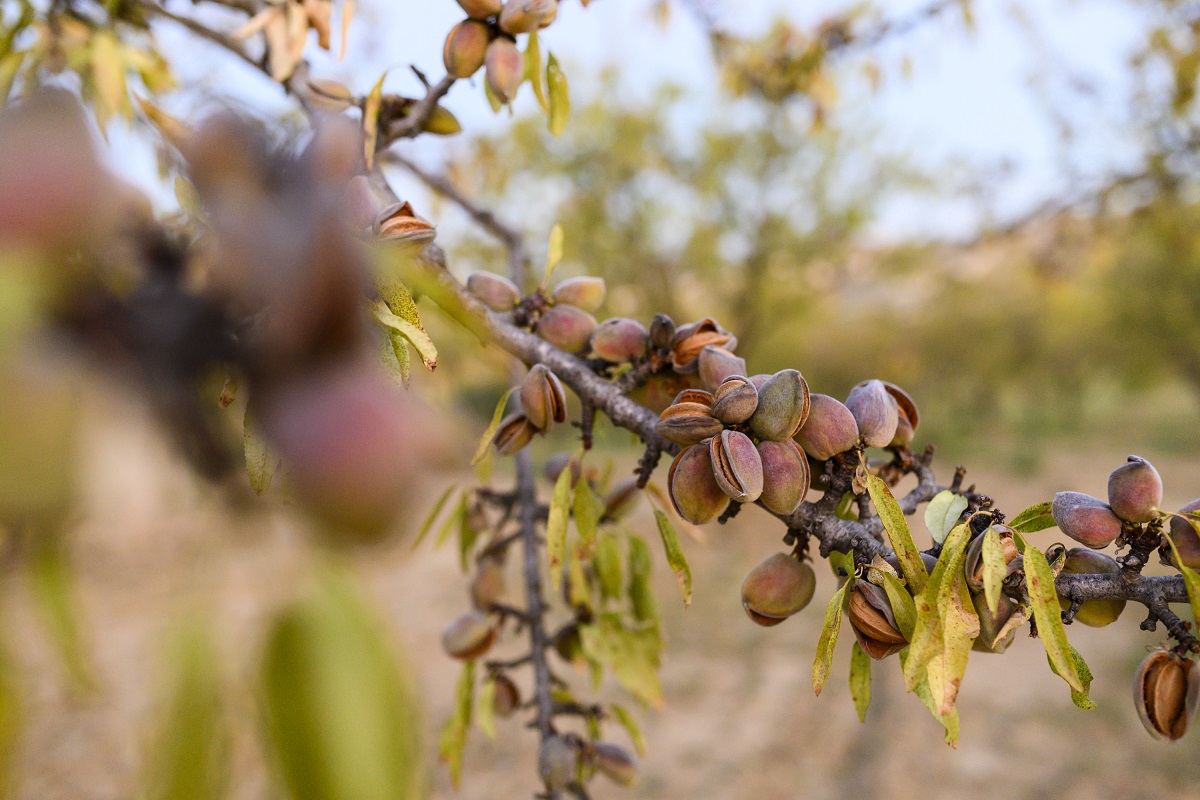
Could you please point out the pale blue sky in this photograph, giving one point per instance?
(968, 98)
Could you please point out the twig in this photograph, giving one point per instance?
(203, 31)
(414, 121)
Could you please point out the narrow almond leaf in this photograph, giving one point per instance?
(490, 433)
(190, 754)
(554, 253)
(942, 513)
(846, 508)
(453, 522)
(10, 67)
(930, 642)
(485, 709)
(898, 533)
(1048, 615)
(626, 721)
(454, 733)
(842, 563)
(370, 121)
(642, 601)
(606, 561)
(466, 538)
(432, 516)
(347, 17)
(994, 568)
(675, 556)
(556, 526)
(904, 608)
(948, 721)
(828, 640)
(588, 508)
(860, 680)
(495, 102)
(108, 75)
(261, 462)
(1033, 519)
(579, 587)
(533, 71)
(1191, 581)
(53, 585)
(560, 99)
(173, 130)
(415, 335)
(1080, 699)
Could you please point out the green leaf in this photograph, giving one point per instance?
(994, 568)
(454, 732)
(432, 516)
(1048, 615)
(632, 654)
(1033, 519)
(485, 709)
(942, 513)
(340, 718)
(1191, 581)
(489, 434)
(626, 721)
(466, 538)
(370, 120)
(588, 508)
(556, 526)
(560, 99)
(860, 680)
(842, 563)
(901, 539)
(10, 67)
(921, 690)
(1080, 699)
(261, 462)
(846, 508)
(190, 755)
(675, 556)
(416, 336)
(828, 640)
(533, 71)
(606, 560)
(53, 586)
(641, 594)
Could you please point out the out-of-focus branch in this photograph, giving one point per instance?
(203, 31)
(414, 121)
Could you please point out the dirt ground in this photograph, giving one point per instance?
(741, 720)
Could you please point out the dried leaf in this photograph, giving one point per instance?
(560, 99)
(347, 17)
(898, 533)
(175, 131)
(1048, 615)
(490, 433)
(994, 568)
(828, 640)
(556, 526)
(675, 556)
(370, 121)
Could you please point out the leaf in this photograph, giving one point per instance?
(948, 721)
(1047, 614)
(1191, 581)
(588, 508)
(904, 608)
(10, 67)
(828, 640)
(606, 560)
(675, 556)
(108, 75)
(190, 756)
(347, 17)
(860, 680)
(54, 590)
(560, 99)
(466, 538)
(632, 655)
(188, 198)
(454, 732)
(485, 709)
(846, 507)
(1033, 519)
(946, 627)
(413, 333)
(370, 121)
(427, 525)
(533, 71)
(842, 563)
(1080, 699)
(490, 433)
(261, 462)
(898, 534)
(942, 513)
(626, 721)
(453, 522)
(495, 102)
(641, 595)
(173, 130)
(554, 252)
(994, 568)
(340, 717)
(556, 526)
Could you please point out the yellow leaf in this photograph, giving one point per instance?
(560, 99)
(828, 639)
(675, 556)
(898, 533)
(490, 433)
(556, 526)
(1048, 615)
(370, 121)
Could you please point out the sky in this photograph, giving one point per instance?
(982, 98)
